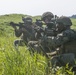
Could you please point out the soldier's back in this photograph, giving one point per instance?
(70, 47)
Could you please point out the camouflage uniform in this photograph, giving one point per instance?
(47, 31)
(63, 59)
(63, 38)
(66, 34)
(27, 33)
(50, 30)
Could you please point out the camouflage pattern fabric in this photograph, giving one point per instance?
(63, 59)
(50, 43)
(28, 33)
(35, 46)
(62, 38)
(70, 47)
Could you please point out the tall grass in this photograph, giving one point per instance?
(19, 61)
(73, 24)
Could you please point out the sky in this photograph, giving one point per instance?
(38, 7)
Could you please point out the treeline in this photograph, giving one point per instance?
(73, 16)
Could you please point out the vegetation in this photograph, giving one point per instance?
(73, 16)
(73, 24)
(19, 61)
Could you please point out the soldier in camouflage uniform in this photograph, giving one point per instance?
(65, 35)
(50, 25)
(26, 33)
(48, 31)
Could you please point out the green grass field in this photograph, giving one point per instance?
(19, 61)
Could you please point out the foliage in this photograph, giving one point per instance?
(73, 24)
(19, 61)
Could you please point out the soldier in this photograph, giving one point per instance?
(66, 35)
(48, 31)
(50, 21)
(27, 33)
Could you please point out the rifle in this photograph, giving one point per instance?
(15, 24)
(20, 25)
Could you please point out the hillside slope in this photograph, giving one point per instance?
(6, 19)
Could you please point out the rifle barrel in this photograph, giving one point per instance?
(15, 24)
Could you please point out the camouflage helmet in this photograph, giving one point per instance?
(27, 19)
(47, 14)
(64, 20)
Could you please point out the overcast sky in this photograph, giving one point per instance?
(38, 7)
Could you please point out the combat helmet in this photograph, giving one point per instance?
(47, 14)
(64, 20)
(27, 19)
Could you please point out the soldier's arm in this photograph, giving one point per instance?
(61, 39)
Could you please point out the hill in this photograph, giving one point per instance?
(19, 61)
(6, 19)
